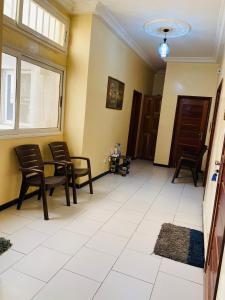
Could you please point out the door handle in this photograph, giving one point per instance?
(217, 163)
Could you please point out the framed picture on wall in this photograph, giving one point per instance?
(115, 94)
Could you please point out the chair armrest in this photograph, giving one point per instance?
(66, 162)
(83, 158)
(62, 164)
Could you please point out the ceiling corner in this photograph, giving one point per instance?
(113, 23)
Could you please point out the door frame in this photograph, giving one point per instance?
(213, 127)
(215, 207)
(140, 95)
(179, 97)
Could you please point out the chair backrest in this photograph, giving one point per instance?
(29, 156)
(60, 151)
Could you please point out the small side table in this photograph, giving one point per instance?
(120, 164)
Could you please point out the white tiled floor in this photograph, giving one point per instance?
(101, 249)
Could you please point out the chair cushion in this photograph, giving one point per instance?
(80, 172)
(188, 163)
(77, 171)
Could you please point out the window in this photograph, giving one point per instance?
(8, 92)
(31, 96)
(39, 97)
(10, 8)
(40, 19)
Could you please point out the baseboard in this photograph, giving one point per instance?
(161, 165)
(79, 186)
(13, 202)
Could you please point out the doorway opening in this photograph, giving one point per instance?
(190, 126)
(134, 122)
(149, 127)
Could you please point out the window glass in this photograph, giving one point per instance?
(39, 97)
(10, 8)
(41, 21)
(8, 92)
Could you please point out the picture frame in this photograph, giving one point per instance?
(115, 94)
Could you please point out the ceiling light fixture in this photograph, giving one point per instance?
(166, 28)
(164, 49)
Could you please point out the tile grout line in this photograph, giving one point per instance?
(153, 286)
(170, 274)
(86, 208)
(129, 239)
(62, 268)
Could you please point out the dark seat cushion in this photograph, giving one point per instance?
(49, 180)
(79, 172)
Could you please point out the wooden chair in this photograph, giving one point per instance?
(32, 168)
(61, 153)
(191, 162)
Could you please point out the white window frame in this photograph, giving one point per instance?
(17, 132)
(17, 23)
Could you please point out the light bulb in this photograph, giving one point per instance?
(164, 50)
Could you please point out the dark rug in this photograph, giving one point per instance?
(4, 245)
(181, 244)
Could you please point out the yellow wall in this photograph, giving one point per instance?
(192, 79)
(105, 127)
(77, 77)
(90, 129)
(158, 84)
(9, 174)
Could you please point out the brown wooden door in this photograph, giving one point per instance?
(190, 126)
(134, 122)
(217, 237)
(213, 127)
(149, 126)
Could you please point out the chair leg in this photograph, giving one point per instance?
(23, 190)
(74, 188)
(51, 191)
(194, 175)
(44, 201)
(39, 194)
(197, 175)
(177, 171)
(90, 182)
(67, 192)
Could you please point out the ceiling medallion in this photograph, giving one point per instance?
(166, 28)
(176, 28)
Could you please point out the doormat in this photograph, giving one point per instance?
(4, 245)
(181, 244)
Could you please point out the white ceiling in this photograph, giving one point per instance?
(206, 18)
